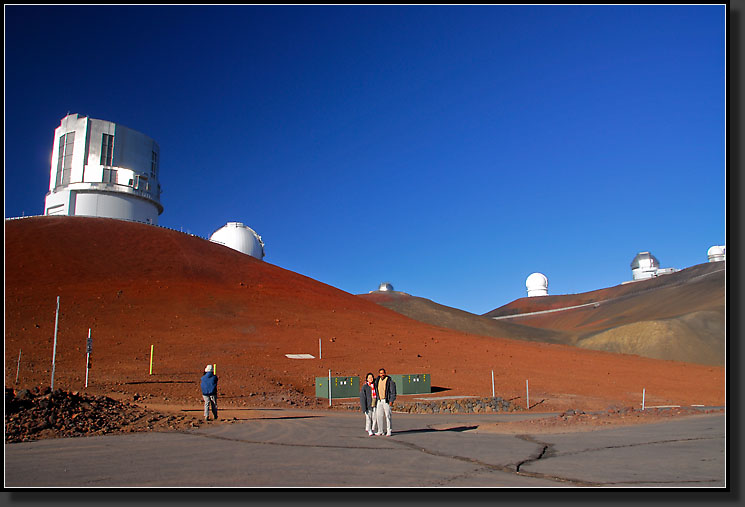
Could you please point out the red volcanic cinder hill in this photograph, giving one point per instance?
(198, 302)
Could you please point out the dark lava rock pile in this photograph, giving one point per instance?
(39, 414)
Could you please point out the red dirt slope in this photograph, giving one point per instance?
(198, 302)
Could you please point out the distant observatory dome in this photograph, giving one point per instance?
(717, 253)
(239, 237)
(385, 286)
(644, 265)
(537, 285)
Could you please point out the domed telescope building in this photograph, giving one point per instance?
(644, 265)
(385, 287)
(239, 237)
(102, 169)
(716, 253)
(537, 285)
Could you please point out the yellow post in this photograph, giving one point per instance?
(214, 369)
(151, 359)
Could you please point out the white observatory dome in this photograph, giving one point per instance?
(239, 237)
(537, 285)
(385, 287)
(644, 265)
(717, 253)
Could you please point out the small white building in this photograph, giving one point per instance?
(717, 253)
(537, 285)
(239, 237)
(102, 169)
(385, 287)
(645, 265)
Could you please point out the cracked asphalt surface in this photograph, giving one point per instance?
(286, 448)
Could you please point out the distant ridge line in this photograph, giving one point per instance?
(110, 218)
(598, 303)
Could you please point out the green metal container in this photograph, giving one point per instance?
(341, 387)
(413, 384)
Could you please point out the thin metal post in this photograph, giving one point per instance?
(88, 348)
(54, 350)
(527, 395)
(644, 393)
(320, 351)
(329, 388)
(492, 384)
(18, 368)
(151, 359)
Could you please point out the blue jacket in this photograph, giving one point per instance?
(209, 384)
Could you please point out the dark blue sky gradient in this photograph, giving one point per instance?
(449, 150)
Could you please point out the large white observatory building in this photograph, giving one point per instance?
(102, 169)
(537, 285)
(239, 237)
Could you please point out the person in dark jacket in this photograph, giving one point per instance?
(368, 401)
(385, 388)
(209, 392)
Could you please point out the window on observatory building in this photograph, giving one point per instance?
(64, 159)
(107, 150)
(109, 175)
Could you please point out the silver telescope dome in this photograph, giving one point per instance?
(385, 287)
(239, 237)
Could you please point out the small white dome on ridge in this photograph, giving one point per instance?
(717, 253)
(537, 285)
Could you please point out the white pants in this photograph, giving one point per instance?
(383, 415)
(371, 422)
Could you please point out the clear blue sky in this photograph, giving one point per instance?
(449, 150)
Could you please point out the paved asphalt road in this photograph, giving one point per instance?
(285, 448)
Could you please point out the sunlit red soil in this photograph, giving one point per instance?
(137, 286)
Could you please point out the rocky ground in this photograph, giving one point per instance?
(40, 414)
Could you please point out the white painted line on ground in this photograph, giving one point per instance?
(300, 356)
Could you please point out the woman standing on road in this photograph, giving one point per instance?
(368, 401)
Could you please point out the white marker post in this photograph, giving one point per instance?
(329, 388)
(18, 368)
(492, 384)
(527, 395)
(644, 393)
(88, 350)
(54, 350)
(320, 354)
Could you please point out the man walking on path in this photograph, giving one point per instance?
(385, 388)
(209, 392)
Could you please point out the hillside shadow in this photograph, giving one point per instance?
(438, 389)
